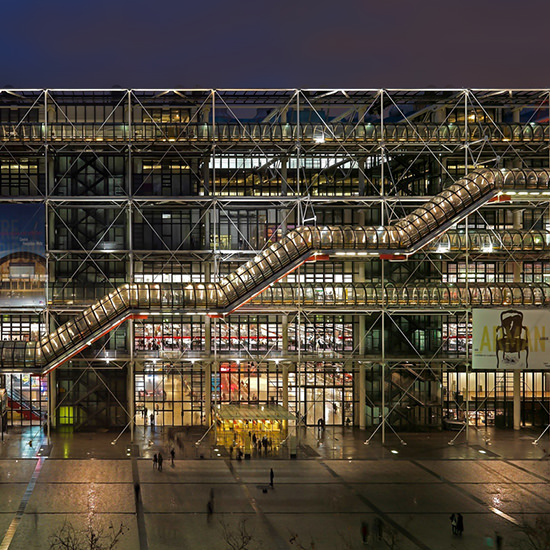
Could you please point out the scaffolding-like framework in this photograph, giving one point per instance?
(177, 187)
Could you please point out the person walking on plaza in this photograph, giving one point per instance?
(160, 459)
(271, 476)
(210, 506)
(378, 528)
(155, 461)
(172, 455)
(459, 524)
(209, 510)
(364, 532)
(454, 519)
(152, 417)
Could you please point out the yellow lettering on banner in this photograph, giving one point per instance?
(485, 340)
(540, 338)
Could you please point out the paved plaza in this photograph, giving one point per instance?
(337, 482)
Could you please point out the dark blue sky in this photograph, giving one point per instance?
(287, 43)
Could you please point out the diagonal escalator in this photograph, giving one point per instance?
(306, 243)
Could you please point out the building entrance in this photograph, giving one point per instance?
(247, 430)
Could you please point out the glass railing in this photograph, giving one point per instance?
(411, 132)
(490, 241)
(349, 295)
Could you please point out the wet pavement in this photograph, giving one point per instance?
(411, 485)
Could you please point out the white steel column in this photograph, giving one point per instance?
(130, 276)
(285, 386)
(285, 366)
(382, 221)
(48, 170)
(359, 377)
(383, 383)
(208, 393)
(52, 403)
(284, 193)
(467, 260)
(362, 396)
(131, 381)
(518, 224)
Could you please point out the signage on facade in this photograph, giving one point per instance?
(22, 254)
(511, 339)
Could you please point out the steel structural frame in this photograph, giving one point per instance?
(345, 104)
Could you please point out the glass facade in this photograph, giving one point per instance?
(321, 251)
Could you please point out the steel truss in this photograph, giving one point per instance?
(108, 164)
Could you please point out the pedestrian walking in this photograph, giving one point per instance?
(454, 520)
(209, 510)
(160, 459)
(172, 455)
(155, 461)
(364, 532)
(459, 524)
(152, 417)
(271, 476)
(378, 528)
(210, 506)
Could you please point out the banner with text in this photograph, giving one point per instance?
(510, 339)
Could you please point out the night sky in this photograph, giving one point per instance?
(281, 44)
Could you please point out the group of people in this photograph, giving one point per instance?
(457, 524)
(258, 443)
(158, 459)
(146, 416)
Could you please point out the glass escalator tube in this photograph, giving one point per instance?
(199, 291)
(401, 235)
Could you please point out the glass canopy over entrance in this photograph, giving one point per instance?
(253, 429)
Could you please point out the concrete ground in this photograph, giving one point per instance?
(498, 481)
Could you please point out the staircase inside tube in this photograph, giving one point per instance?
(404, 237)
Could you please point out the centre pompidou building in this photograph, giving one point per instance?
(356, 258)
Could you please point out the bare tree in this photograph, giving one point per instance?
(237, 538)
(68, 537)
(295, 540)
(536, 533)
(391, 540)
